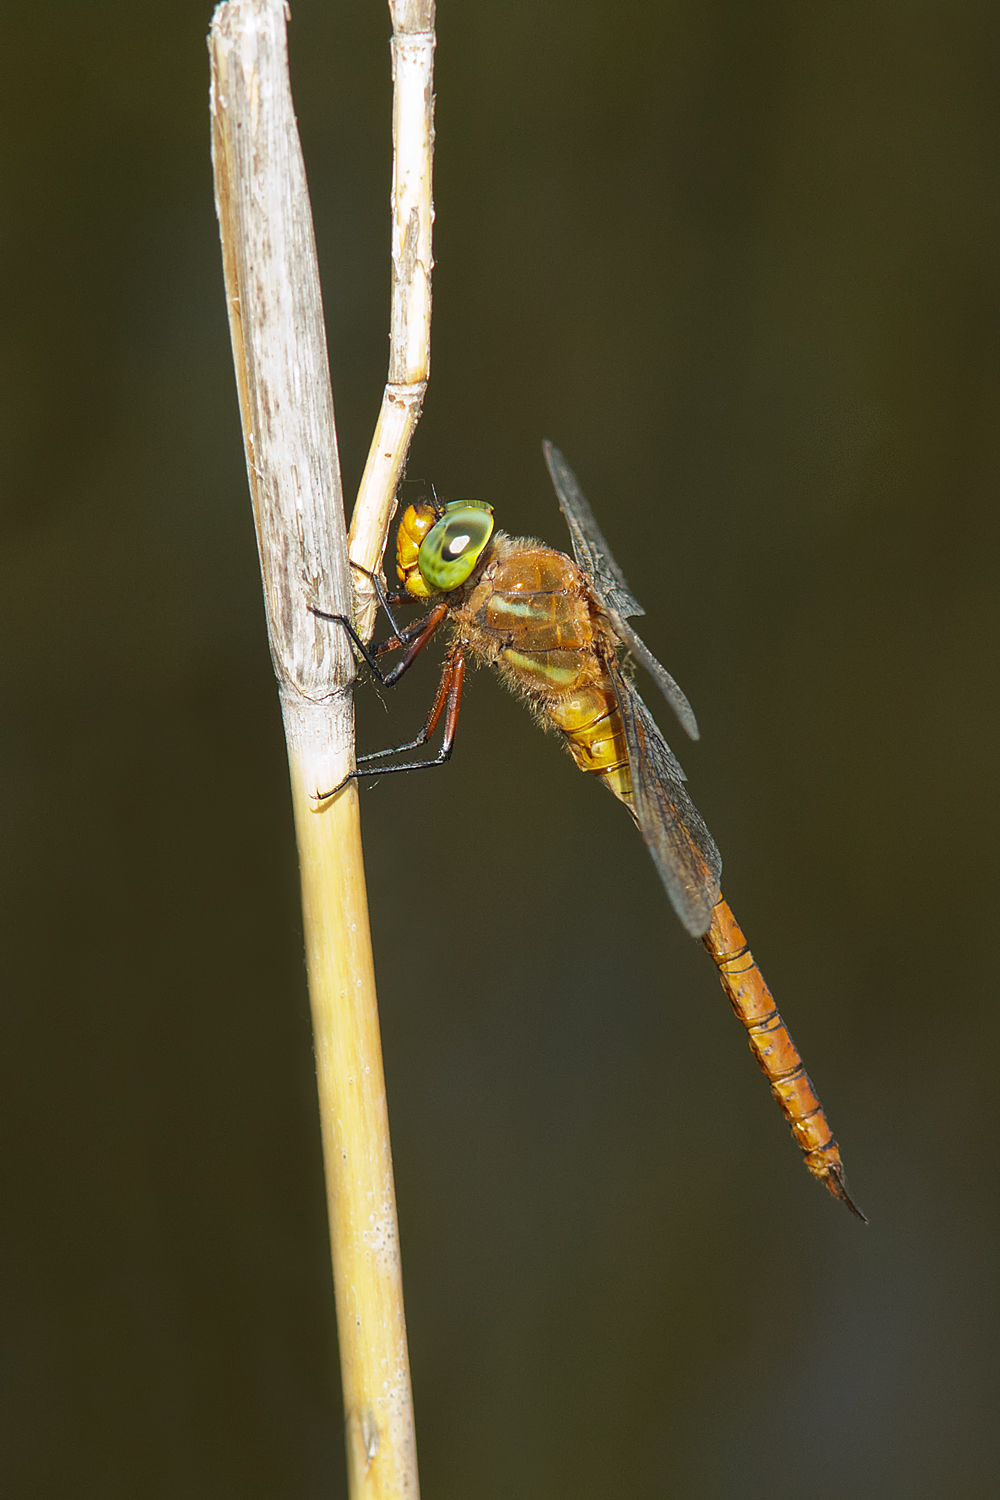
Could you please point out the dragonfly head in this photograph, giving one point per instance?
(437, 546)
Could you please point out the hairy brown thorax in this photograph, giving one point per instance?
(530, 611)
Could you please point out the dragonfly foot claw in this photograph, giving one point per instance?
(325, 796)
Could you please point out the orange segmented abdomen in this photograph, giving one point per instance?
(775, 1051)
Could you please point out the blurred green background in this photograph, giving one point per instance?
(741, 263)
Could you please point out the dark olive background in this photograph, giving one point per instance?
(741, 263)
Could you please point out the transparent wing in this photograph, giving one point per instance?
(589, 547)
(683, 850)
(594, 556)
(674, 695)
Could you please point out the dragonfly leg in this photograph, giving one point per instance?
(425, 628)
(449, 695)
(383, 598)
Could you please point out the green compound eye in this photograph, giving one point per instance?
(453, 546)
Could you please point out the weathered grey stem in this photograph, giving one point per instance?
(279, 349)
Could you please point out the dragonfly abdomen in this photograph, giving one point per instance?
(592, 724)
(776, 1053)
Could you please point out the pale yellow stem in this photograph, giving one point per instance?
(358, 1163)
(282, 374)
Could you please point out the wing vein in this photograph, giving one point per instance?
(683, 850)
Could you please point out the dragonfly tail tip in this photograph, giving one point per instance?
(836, 1185)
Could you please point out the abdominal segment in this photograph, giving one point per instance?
(590, 720)
(775, 1051)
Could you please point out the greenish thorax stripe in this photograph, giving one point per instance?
(527, 607)
(541, 668)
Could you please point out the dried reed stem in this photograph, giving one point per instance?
(279, 349)
(410, 335)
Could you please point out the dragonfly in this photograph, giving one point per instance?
(557, 630)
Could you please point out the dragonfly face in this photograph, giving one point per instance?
(556, 628)
(437, 547)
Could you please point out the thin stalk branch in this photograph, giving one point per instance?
(410, 335)
(279, 349)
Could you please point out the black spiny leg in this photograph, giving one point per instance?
(419, 633)
(449, 693)
(384, 599)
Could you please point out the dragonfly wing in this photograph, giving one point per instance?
(674, 695)
(589, 547)
(594, 556)
(683, 850)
